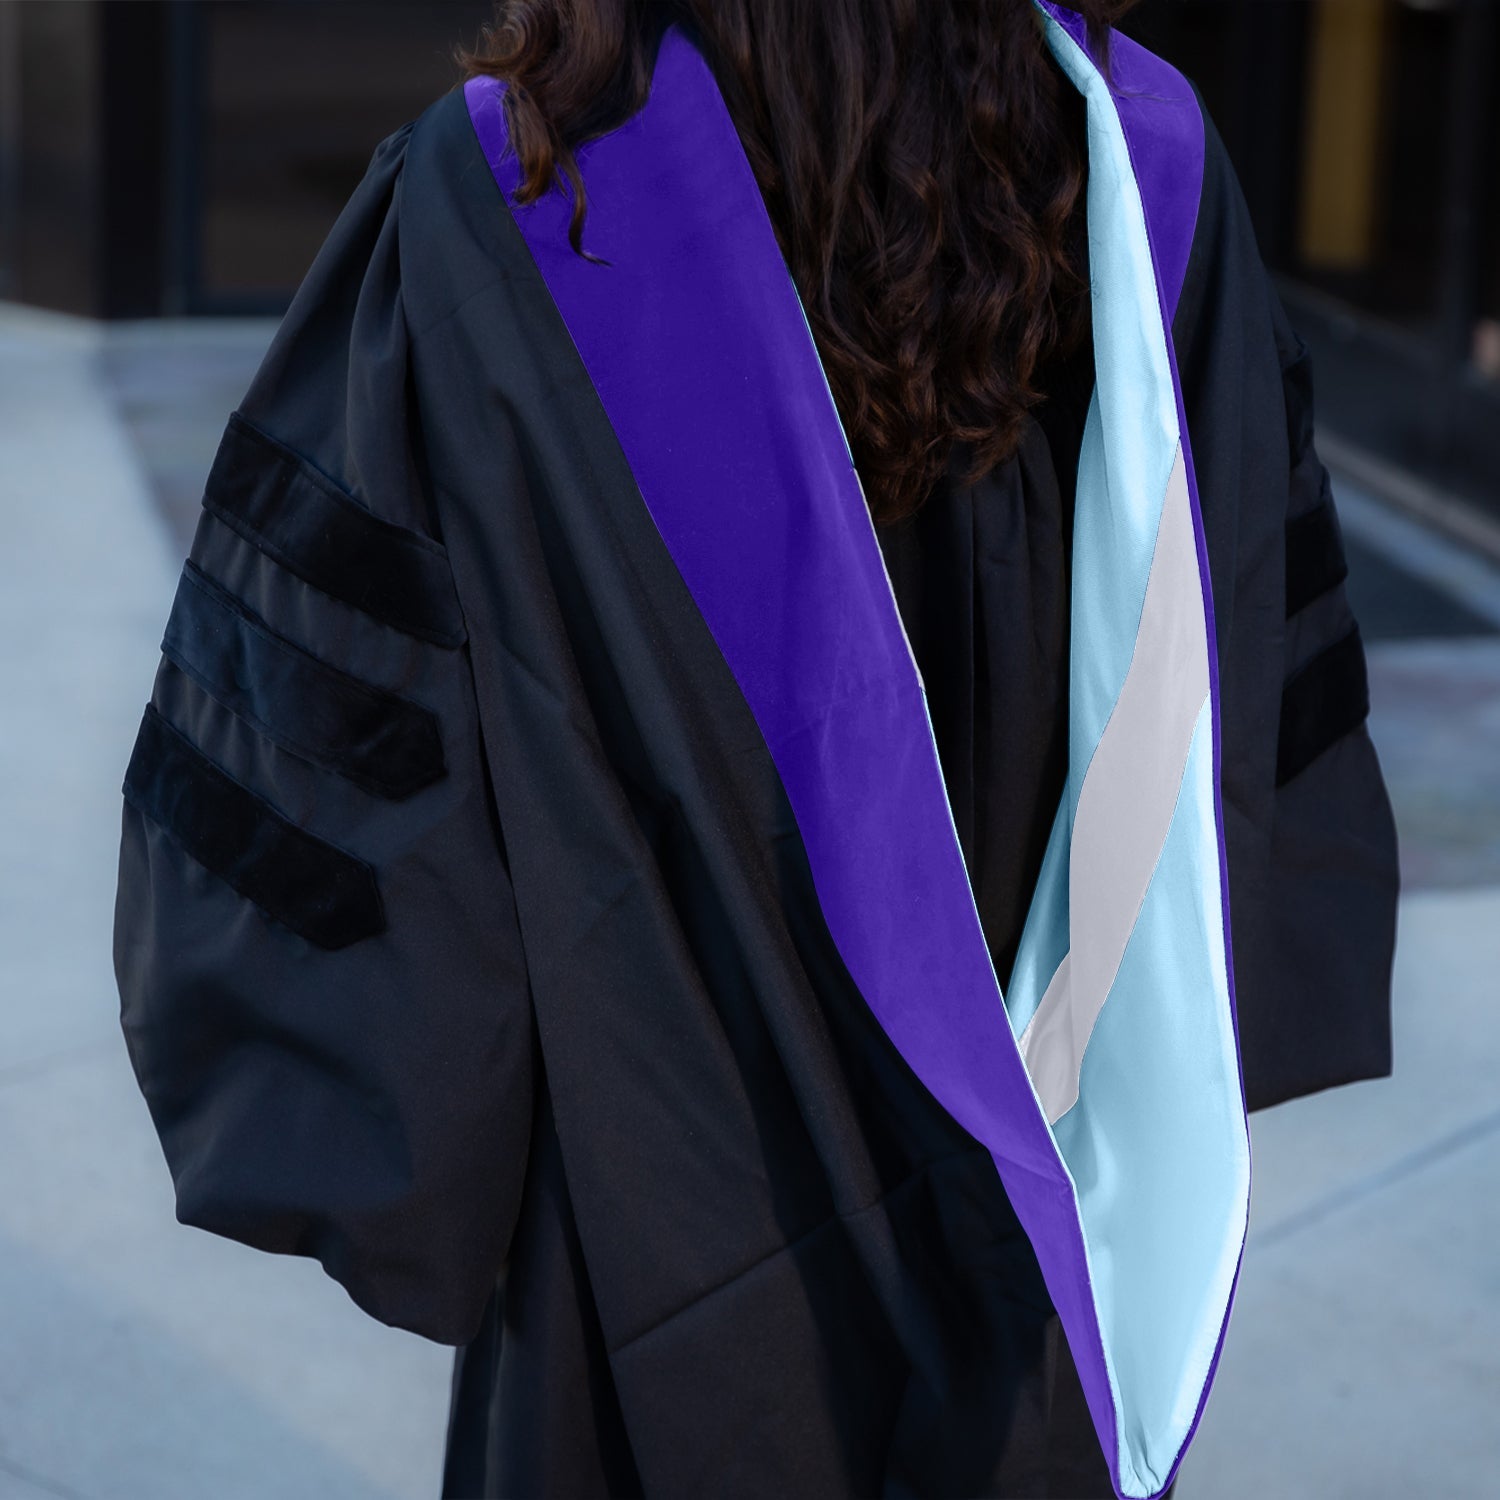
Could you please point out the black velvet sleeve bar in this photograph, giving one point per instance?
(1326, 698)
(379, 740)
(282, 504)
(306, 884)
(1315, 562)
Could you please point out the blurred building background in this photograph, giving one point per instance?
(167, 157)
(168, 169)
(1367, 138)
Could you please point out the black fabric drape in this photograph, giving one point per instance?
(599, 1102)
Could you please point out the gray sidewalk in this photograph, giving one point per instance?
(143, 1361)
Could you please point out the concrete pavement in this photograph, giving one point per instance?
(143, 1361)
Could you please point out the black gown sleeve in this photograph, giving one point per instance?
(1310, 837)
(322, 985)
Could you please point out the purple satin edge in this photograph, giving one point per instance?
(1167, 157)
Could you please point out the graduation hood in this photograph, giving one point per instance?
(1106, 1083)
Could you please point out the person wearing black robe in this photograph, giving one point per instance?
(480, 934)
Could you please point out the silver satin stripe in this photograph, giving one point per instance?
(1126, 803)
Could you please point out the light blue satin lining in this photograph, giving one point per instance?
(1156, 1145)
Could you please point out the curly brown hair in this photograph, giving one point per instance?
(923, 165)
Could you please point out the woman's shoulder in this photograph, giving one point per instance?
(443, 209)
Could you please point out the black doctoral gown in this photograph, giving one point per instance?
(519, 903)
